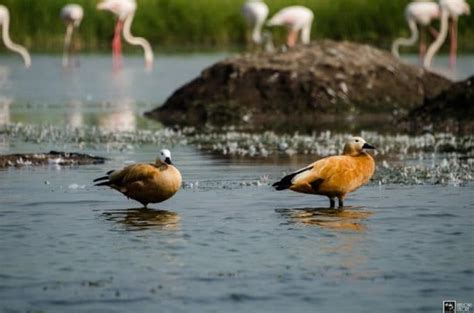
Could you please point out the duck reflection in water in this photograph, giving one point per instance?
(136, 219)
(349, 219)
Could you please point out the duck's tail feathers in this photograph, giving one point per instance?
(106, 177)
(105, 183)
(287, 181)
(282, 184)
(101, 178)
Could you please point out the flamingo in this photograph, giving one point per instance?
(125, 12)
(417, 14)
(255, 12)
(5, 23)
(450, 9)
(295, 18)
(72, 15)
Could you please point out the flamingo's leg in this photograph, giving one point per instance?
(75, 50)
(67, 45)
(422, 45)
(292, 38)
(454, 44)
(117, 46)
(434, 33)
(72, 48)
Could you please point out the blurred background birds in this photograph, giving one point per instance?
(214, 24)
(9, 44)
(72, 15)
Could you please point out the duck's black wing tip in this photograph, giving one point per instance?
(287, 181)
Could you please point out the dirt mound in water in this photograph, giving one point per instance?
(452, 110)
(318, 84)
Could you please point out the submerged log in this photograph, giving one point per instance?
(320, 84)
(51, 158)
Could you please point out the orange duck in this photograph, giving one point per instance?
(335, 176)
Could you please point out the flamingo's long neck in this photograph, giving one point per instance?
(137, 41)
(306, 33)
(406, 41)
(12, 46)
(436, 45)
(257, 32)
(67, 43)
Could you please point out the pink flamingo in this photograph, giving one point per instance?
(450, 12)
(5, 23)
(295, 18)
(125, 12)
(71, 15)
(417, 14)
(255, 12)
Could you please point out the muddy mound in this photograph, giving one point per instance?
(452, 110)
(51, 158)
(320, 83)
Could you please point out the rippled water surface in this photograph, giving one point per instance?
(227, 242)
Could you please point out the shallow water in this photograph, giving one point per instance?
(227, 241)
(67, 246)
(92, 93)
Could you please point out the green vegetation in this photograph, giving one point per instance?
(215, 24)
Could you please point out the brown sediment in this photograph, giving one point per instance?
(51, 158)
(323, 85)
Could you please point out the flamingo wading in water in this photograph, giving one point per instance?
(71, 15)
(255, 12)
(450, 12)
(419, 15)
(5, 23)
(125, 12)
(296, 19)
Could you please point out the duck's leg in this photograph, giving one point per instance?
(332, 203)
(341, 203)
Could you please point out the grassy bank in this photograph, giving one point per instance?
(196, 24)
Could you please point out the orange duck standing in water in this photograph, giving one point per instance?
(145, 183)
(334, 176)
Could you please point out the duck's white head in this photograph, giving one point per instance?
(356, 145)
(165, 156)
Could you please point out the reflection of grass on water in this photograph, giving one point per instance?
(213, 23)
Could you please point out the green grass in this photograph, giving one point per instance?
(213, 24)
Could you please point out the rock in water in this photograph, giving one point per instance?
(452, 110)
(321, 83)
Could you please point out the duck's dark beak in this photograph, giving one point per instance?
(168, 161)
(367, 146)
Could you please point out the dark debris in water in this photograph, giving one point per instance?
(51, 158)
